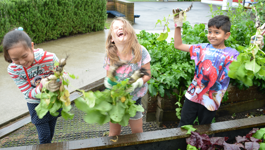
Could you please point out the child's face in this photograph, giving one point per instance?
(22, 55)
(217, 37)
(118, 32)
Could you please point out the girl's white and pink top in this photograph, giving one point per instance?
(27, 79)
(127, 70)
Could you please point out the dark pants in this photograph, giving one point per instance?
(138, 101)
(191, 110)
(46, 131)
(45, 126)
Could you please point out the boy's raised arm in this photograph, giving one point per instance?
(178, 22)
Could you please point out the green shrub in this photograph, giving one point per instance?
(46, 20)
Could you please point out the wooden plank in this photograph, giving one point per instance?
(14, 127)
(239, 107)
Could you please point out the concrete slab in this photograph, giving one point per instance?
(86, 52)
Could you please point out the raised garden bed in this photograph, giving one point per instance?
(167, 138)
(163, 109)
(162, 139)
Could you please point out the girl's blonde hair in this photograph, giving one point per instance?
(132, 43)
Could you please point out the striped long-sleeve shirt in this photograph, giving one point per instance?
(27, 79)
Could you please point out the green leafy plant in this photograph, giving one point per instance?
(225, 97)
(249, 63)
(179, 96)
(196, 121)
(53, 102)
(171, 68)
(233, 116)
(260, 9)
(115, 105)
(164, 34)
(190, 128)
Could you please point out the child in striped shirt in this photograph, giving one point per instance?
(30, 68)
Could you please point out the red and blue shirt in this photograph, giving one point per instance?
(211, 79)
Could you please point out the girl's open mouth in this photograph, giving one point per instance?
(120, 34)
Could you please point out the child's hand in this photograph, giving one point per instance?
(257, 39)
(51, 83)
(178, 17)
(136, 84)
(108, 83)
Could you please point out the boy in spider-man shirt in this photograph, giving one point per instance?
(212, 61)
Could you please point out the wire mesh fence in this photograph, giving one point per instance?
(69, 130)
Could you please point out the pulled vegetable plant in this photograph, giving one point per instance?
(250, 62)
(115, 105)
(58, 101)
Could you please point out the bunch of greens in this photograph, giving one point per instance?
(115, 105)
(249, 63)
(58, 101)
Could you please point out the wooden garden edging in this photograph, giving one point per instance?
(169, 139)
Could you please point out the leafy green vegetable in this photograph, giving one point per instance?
(259, 134)
(247, 65)
(115, 105)
(57, 101)
(189, 128)
(190, 147)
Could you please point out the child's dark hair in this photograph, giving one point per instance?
(11, 39)
(220, 21)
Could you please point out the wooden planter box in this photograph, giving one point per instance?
(161, 109)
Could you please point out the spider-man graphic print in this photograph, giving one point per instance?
(211, 74)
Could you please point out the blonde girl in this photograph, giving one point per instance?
(122, 45)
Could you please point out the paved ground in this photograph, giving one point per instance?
(87, 51)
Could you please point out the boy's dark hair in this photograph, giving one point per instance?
(11, 39)
(220, 21)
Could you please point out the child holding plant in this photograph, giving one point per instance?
(122, 46)
(205, 93)
(27, 67)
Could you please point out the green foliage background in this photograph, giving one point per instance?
(173, 69)
(46, 20)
